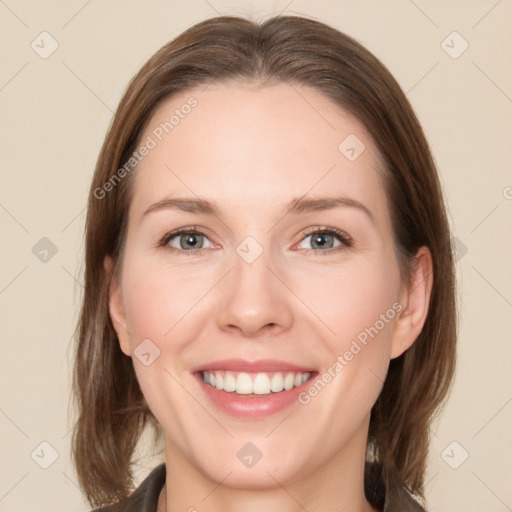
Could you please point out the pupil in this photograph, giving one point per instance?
(191, 240)
(320, 241)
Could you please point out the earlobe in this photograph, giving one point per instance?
(415, 302)
(116, 308)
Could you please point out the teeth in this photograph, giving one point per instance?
(289, 381)
(229, 382)
(254, 383)
(243, 383)
(261, 384)
(276, 383)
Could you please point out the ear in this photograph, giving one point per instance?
(415, 301)
(116, 307)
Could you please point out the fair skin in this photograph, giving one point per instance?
(252, 150)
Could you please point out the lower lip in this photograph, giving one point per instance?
(252, 406)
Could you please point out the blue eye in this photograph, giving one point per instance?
(192, 241)
(327, 240)
(188, 240)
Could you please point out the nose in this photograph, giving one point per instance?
(254, 301)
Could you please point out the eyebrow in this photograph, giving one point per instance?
(295, 206)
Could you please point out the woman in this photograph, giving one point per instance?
(269, 280)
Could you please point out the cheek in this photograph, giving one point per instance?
(161, 305)
(358, 306)
(351, 300)
(362, 315)
(160, 298)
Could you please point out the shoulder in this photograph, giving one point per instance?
(145, 496)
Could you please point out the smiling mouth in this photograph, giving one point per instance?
(254, 384)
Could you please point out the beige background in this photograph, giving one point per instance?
(55, 112)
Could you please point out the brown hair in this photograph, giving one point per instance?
(111, 408)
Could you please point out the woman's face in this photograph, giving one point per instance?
(288, 262)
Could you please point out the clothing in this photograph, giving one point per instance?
(145, 497)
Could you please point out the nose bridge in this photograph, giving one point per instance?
(253, 298)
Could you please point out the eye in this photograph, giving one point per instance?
(191, 240)
(326, 240)
(186, 240)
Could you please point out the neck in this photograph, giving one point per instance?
(337, 485)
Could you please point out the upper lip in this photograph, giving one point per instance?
(259, 366)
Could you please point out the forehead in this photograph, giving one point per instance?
(242, 142)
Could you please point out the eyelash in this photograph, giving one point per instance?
(346, 240)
